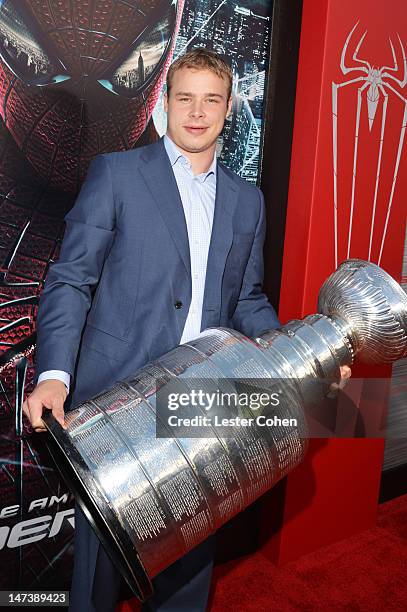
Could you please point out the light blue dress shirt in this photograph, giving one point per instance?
(198, 194)
(198, 200)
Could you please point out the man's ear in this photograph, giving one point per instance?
(229, 108)
(165, 102)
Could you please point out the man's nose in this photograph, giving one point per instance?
(197, 109)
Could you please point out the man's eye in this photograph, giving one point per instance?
(213, 100)
(184, 99)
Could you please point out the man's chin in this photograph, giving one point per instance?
(197, 145)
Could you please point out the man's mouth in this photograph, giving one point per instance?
(192, 129)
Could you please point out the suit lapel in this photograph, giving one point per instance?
(221, 241)
(159, 176)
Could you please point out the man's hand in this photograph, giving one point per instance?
(346, 373)
(50, 394)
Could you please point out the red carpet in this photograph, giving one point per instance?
(367, 572)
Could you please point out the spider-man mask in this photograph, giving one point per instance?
(79, 78)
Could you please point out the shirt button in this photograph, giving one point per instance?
(178, 304)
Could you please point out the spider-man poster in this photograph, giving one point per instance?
(78, 79)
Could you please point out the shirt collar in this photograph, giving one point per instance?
(175, 155)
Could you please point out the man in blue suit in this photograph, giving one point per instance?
(163, 242)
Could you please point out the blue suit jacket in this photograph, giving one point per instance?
(111, 302)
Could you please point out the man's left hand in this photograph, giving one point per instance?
(346, 373)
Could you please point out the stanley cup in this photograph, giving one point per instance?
(152, 499)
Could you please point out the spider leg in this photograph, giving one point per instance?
(335, 88)
(355, 55)
(402, 98)
(355, 159)
(396, 168)
(395, 67)
(379, 162)
(401, 83)
(344, 69)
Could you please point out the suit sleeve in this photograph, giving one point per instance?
(67, 294)
(254, 314)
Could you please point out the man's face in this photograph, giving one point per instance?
(196, 109)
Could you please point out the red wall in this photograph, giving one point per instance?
(334, 493)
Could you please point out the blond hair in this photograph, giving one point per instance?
(201, 59)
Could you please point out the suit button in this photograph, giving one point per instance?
(178, 304)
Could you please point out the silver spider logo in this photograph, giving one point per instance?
(376, 82)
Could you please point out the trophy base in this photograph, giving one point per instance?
(97, 511)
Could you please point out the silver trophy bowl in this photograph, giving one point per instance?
(152, 498)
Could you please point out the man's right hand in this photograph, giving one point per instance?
(48, 394)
